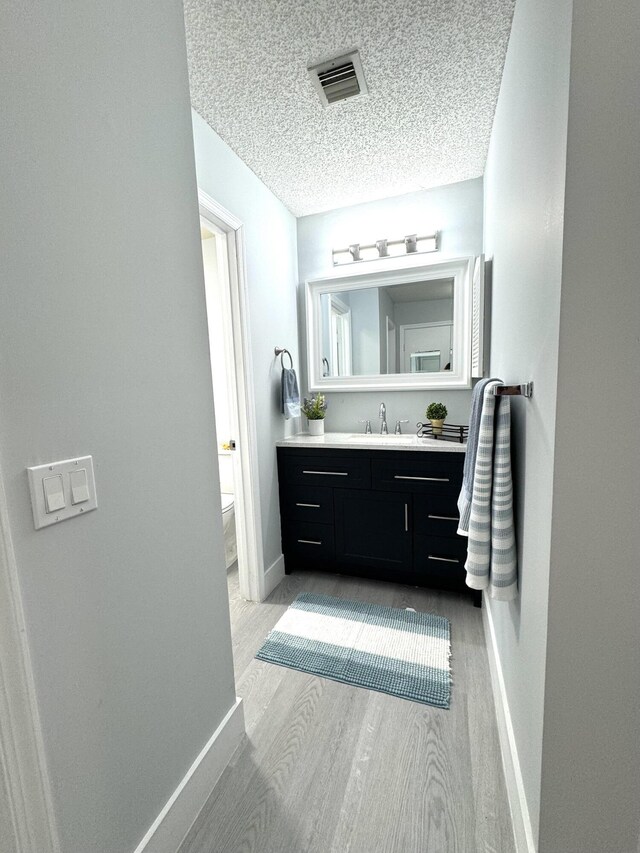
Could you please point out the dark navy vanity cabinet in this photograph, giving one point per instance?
(385, 514)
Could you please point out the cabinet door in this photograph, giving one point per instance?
(373, 529)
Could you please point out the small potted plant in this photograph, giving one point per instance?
(315, 410)
(436, 413)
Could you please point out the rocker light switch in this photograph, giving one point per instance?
(53, 493)
(61, 490)
(79, 486)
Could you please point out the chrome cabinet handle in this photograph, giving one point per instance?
(309, 541)
(443, 559)
(445, 517)
(406, 518)
(430, 479)
(330, 473)
(315, 506)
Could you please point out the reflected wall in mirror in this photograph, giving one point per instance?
(401, 328)
(407, 327)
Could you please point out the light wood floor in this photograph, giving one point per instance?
(329, 768)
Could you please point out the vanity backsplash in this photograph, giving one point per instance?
(345, 410)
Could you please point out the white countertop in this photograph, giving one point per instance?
(359, 441)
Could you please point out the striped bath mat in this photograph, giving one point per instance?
(400, 652)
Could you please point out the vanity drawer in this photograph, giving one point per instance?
(436, 515)
(301, 503)
(314, 542)
(432, 550)
(342, 472)
(431, 473)
(442, 559)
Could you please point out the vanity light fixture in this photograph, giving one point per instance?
(383, 248)
(412, 244)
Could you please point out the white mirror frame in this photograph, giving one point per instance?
(460, 269)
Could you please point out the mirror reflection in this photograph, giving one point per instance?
(399, 328)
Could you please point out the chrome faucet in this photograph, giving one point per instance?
(382, 414)
(398, 430)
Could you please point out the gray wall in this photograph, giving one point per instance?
(428, 311)
(591, 746)
(7, 832)
(456, 210)
(524, 196)
(270, 237)
(103, 350)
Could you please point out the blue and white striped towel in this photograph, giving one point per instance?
(491, 561)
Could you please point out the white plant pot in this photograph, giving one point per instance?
(316, 427)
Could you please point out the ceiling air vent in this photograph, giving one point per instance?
(339, 78)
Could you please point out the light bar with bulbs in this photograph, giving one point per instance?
(412, 244)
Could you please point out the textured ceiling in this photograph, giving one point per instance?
(433, 69)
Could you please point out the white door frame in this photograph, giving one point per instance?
(391, 327)
(29, 801)
(339, 309)
(242, 403)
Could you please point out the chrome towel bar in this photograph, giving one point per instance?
(525, 390)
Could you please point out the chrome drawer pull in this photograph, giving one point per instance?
(331, 473)
(430, 479)
(443, 559)
(309, 542)
(445, 517)
(406, 518)
(315, 506)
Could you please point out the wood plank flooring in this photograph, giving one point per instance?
(329, 768)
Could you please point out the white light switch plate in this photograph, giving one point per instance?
(64, 469)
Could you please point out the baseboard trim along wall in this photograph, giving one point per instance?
(273, 576)
(183, 807)
(520, 817)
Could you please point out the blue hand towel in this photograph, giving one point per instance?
(290, 394)
(466, 493)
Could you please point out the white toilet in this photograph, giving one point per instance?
(225, 463)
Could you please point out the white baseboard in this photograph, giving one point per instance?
(178, 816)
(273, 575)
(520, 818)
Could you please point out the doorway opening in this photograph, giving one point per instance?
(426, 347)
(227, 317)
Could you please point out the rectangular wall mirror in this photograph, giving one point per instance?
(407, 327)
